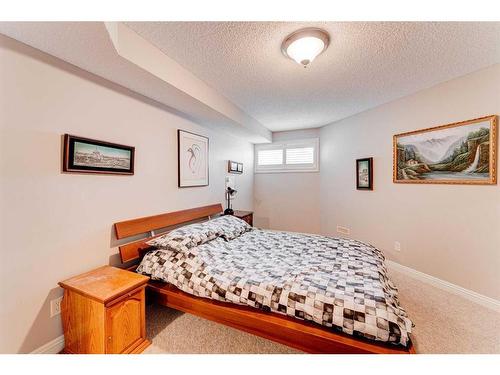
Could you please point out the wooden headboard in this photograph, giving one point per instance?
(135, 250)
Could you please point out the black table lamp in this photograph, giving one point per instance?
(230, 192)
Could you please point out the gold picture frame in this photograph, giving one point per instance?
(448, 154)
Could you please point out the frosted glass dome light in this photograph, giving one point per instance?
(304, 45)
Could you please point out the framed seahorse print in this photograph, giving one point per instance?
(192, 155)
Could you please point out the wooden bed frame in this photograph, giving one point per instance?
(302, 335)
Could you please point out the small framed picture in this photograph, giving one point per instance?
(364, 174)
(84, 155)
(192, 159)
(234, 167)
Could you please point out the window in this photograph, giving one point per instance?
(300, 155)
(270, 157)
(290, 156)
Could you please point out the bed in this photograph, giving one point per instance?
(314, 293)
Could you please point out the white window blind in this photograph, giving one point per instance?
(300, 155)
(270, 157)
(292, 156)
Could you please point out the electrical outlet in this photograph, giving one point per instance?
(343, 230)
(55, 306)
(397, 246)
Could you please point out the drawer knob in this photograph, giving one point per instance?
(109, 338)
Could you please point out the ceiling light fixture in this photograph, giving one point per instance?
(305, 45)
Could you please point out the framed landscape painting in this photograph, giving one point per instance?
(192, 159)
(459, 153)
(364, 174)
(84, 155)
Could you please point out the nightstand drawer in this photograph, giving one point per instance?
(245, 216)
(124, 296)
(248, 219)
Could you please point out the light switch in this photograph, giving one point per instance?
(230, 182)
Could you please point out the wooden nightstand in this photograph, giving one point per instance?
(245, 215)
(103, 312)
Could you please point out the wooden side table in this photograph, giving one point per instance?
(103, 312)
(245, 215)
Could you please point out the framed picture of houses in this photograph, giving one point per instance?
(85, 155)
(459, 153)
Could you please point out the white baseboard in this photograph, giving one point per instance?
(447, 286)
(52, 347)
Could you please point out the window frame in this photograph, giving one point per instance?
(288, 168)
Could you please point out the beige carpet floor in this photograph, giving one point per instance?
(444, 323)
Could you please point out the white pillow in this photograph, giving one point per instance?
(186, 237)
(231, 226)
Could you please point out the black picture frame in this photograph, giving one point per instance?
(362, 182)
(180, 178)
(96, 162)
(234, 167)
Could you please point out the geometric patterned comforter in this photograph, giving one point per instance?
(338, 283)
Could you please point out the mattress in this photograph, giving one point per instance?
(338, 283)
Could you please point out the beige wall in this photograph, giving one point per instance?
(56, 225)
(288, 201)
(448, 231)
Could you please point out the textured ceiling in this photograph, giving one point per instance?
(366, 64)
(89, 46)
